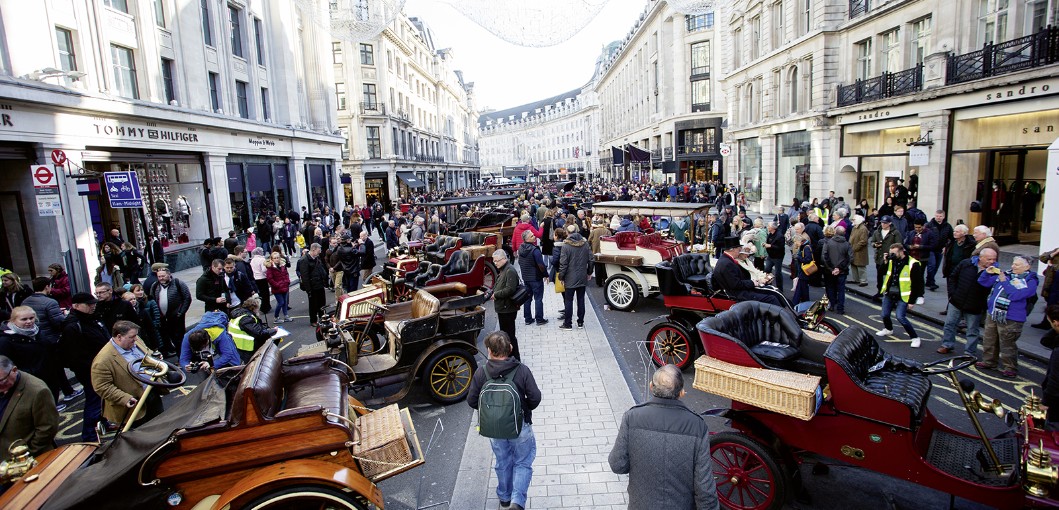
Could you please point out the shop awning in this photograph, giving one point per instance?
(410, 179)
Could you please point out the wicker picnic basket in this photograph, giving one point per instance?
(819, 335)
(789, 393)
(382, 447)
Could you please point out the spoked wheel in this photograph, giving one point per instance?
(306, 497)
(669, 344)
(826, 326)
(621, 292)
(401, 292)
(747, 475)
(366, 341)
(448, 375)
(489, 278)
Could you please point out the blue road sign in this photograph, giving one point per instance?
(123, 189)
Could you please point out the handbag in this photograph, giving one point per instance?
(522, 295)
(810, 268)
(560, 287)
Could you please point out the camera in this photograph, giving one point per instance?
(197, 358)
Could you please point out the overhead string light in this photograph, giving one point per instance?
(352, 20)
(531, 23)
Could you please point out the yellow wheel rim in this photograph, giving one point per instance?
(450, 376)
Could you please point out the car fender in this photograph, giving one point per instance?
(745, 423)
(638, 276)
(440, 344)
(298, 472)
(663, 316)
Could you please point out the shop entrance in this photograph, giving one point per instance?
(13, 214)
(1011, 191)
(376, 190)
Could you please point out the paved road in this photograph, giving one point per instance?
(627, 334)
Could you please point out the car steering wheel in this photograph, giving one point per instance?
(958, 363)
(168, 375)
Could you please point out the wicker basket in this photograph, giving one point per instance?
(382, 447)
(784, 392)
(819, 336)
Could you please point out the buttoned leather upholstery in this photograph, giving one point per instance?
(859, 356)
(459, 263)
(276, 389)
(423, 276)
(694, 269)
(422, 321)
(770, 334)
(473, 238)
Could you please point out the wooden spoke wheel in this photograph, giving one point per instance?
(670, 344)
(448, 375)
(748, 476)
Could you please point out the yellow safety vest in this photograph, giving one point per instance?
(904, 279)
(243, 341)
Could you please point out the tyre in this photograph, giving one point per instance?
(621, 292)
(748, 476)
(306, 497)
(489, 278)
(448, 375)
(670, 343)
(826, 326)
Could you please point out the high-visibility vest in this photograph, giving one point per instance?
(243, 341)
(904, 279)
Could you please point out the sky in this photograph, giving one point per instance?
(506, 75)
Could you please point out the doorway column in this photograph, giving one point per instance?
(933, 177)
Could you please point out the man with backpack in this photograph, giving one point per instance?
(505, 394)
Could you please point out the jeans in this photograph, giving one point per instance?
(282, 307)
(888, 305)
(93, 404)
(1002, 335)
(974, 330)
(537, 288)
(775, 266)
(835, 287)
(514, 465)
(932, 268)
(568, 298)
(350, 280)
(506, 322)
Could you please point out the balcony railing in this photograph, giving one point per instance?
(668, 153)
(656, 154)
(1034, 50)
(858, 7)
(885, 85)
(697, 149)
(700, 107)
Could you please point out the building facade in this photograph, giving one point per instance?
(658, 92)
(547, 140)
(220, 111)
(407, 114)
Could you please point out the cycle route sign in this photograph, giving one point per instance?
(123, 189)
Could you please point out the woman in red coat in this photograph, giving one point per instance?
(279, 284)
(60, 285)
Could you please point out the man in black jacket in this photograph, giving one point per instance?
(514, 457)
(112, 308)
(1050, 386)
(366, 250)
(967, 301)
(836, 256)
(174, 300)
(240, 286)
(731, 277)
(313, 273)
(943, 233)
(664, 447)
(775, 249)
(211, 289)
(82, 337)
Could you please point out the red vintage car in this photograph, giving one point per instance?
(797, 394)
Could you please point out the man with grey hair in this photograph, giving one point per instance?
(983, 238)
(27, 410)
(416, 235)
(664, 447)
(313, 273)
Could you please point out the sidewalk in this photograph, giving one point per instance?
(584, 397)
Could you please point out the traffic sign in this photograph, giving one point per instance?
(58, 157)
(43, 176)
(123, 189)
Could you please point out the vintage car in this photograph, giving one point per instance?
(799, 395)
(273, 433)
(687, 289)
(432, 338)
(629, 258)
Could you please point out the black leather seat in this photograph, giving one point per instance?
(694, 269)
(460, 263)
(877, 372)
(771, 335)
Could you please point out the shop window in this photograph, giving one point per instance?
(750, 168)
(792, 166)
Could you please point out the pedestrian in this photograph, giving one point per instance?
(884, 237)
(28, 414)
(957, 249)
(366, 253)
(507, 283)
(559, 236)
(211, 288)
(221, 350)
(113, 380)
(12, 293)
(858, 241)
(920, 242)
(174, 300)
(967, 301)
(313, 273)
(514, 456)
(901, 221)
(1006, 312)
(60, 285)
(776, 250)
(759, 238)
(1050, 385)
(944, 234)
(599, 229)
(983, 238)
(19, 341)
(149, 317)
(112, 308)
(902, 287)
(523, 225)
(247, 330)
(837, 255)
(575, 268)
(131, 264)
(50, 321)
(658, 435)
(390, 232)
(1050, 285)
(279, 284)
(82, 337)
(257, 268)
(534, 274)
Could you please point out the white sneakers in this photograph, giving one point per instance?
(884, 332)
(919, 300)
(916, 342)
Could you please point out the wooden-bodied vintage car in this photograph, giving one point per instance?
(271, 434)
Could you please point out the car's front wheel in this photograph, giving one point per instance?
(448, 375)
(306, 497)
(621, 292)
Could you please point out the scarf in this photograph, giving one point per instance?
(32, 332)
(1002, 301)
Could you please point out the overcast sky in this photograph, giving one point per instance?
(506, 75)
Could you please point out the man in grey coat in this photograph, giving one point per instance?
(664, 447)
(575, 266)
